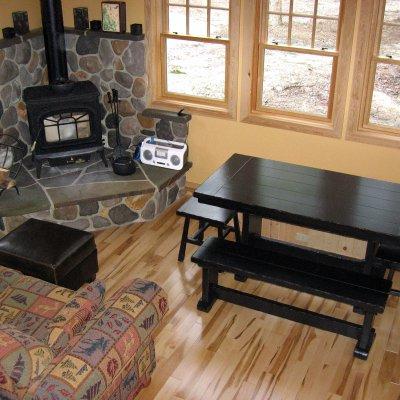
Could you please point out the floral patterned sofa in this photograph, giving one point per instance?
(57, 344)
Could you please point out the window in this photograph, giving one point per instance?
(375, 114)
(300, 64)
(196, 57)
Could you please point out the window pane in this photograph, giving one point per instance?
(281, 6)
(177, 19)
(180, 2)
(303, 6)
(301, 31)
(392, 11)
(198, 21)
(278, 29)
(328, 8)
(196, 68)
(198, 3)
(390, 41)
(297, 82)
(220, 3)
(385, 108)
(325, 34)
(219, 24)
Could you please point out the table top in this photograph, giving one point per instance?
(348, 205)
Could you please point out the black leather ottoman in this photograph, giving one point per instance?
(54, 253)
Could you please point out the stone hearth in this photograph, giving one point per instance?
(90, 196)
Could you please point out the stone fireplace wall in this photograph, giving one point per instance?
(116, 62)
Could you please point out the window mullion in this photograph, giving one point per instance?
(314, 27)
(290, 23)
(208, 18)
(187, 18)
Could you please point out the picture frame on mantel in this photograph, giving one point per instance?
(21, 22)
(113, 16)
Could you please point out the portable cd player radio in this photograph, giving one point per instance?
(163, 153)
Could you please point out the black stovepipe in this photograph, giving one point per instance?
(53, 32)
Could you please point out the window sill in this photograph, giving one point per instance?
(313, 127)
(377, 138)
(206, 110)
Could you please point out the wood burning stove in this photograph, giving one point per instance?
(64, 117)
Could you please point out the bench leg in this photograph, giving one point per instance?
(202, 227)
(236, 225)
(185, 232)
(210, 278)
(366, 338)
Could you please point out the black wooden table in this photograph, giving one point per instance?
(342, 204)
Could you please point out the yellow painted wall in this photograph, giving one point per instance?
(213, 140)
(9, 6)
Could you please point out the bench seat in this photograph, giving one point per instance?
(365, 293)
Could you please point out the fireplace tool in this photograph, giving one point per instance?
(122, 161)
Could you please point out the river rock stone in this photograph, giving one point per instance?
(33, 63)
(37, 42)
(110, 202)
(24, 133)
(81, 224)
(172, 195)
(8, 71)
(134, 59)
(180, 130)
(67, 213)
(72, 60)
(122, 214)
(9, 117)
(23, 53)
(119, 46)
(100, 222)
(87, 45)
(107, 75)
(21, 111)
(139, 88)
(129, 126)
(126, 109)
(25, 77)
(122, 92)
(106, 53)
(90, 64)
(147, 123)
(86, 209)
(163, 130)
(5, 95)
(149, 211)
(118, 65)
(10, 52)
(124, 79)
(138, 104)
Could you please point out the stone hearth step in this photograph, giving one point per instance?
(90, 196)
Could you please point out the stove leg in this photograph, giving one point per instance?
(38, 165)
(103, 157)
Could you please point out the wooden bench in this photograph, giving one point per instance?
(365, 293)
(207, 216)
(390, 259)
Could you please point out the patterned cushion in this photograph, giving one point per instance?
(72, 318)
(29, 304)
(22, 357)
(9, 275)
(118, 345)
(7, 387)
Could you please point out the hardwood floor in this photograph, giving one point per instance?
(241, 354)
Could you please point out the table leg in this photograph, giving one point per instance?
(252, 225)
(371, 266)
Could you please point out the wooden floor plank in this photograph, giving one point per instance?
(233, 353)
